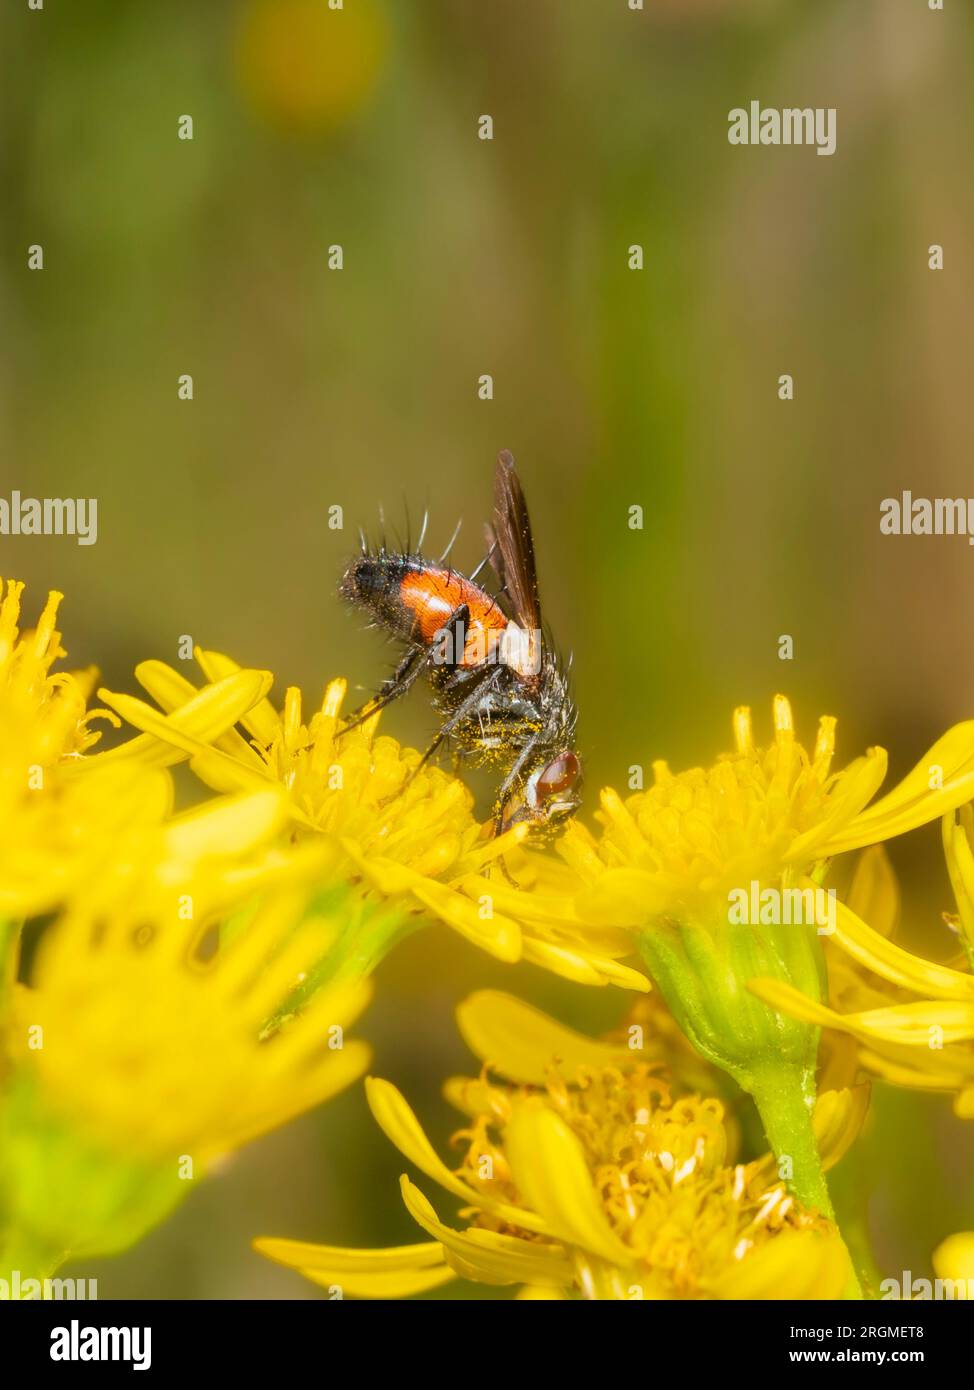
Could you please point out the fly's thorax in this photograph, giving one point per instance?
(498, 726)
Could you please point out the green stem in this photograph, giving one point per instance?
(785, 1097)
(368, 932)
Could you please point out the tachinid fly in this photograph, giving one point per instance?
(499, 692)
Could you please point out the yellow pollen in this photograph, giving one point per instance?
(659, 1168)
(699, 832)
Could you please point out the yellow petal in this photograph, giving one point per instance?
(874, 895)
(300, 1254)
(859, 783)
(172, 690)
(583, 966)
(893, 963)
(571, 965)
(521, 1043)
(905, 1025)
(794, 1264)
(943, 1069)
(552, 1176)
(261, 719)
(620, 898)
(334, 1072)
(190, 729)
(913, 801)
(964, 1103)
(399, 1123)
(957, 830)
(383, 1286)
(487, 1256)
(497, 934)
(838, 1120)
(227, 825)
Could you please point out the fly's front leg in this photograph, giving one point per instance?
(507, 786)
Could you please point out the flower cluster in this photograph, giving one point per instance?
(190, 920)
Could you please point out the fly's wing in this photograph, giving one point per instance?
(514, 559)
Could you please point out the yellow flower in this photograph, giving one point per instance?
(761, 814)
(145, 1048)
(404, 831)
(675, 863)
(582, 1173)
(44, 716)
(155, 1046)
(912, 1019)
(47, 832)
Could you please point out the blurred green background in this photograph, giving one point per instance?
(613, 387)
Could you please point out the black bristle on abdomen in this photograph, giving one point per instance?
(374, 582)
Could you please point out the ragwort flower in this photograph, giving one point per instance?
(762, 824)
(403, 830)
(583, 1175)
(144, 1048)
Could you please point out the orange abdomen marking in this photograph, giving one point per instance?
(432, 595)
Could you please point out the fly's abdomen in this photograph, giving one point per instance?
(374, 582)
(414, 601)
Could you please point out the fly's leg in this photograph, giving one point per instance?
(416, 660)
(503, 796)
(507, 786)
(452, 636)
(397, 684)
(462, 712)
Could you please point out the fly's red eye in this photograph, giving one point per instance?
(559, 776)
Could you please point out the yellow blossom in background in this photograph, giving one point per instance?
(156, 1047)
(47, 831)
(144, 1048)
(193, 989)
(403, 831)
(44, 714)
(583, 1174)
(307, 66)
(953, 1259)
